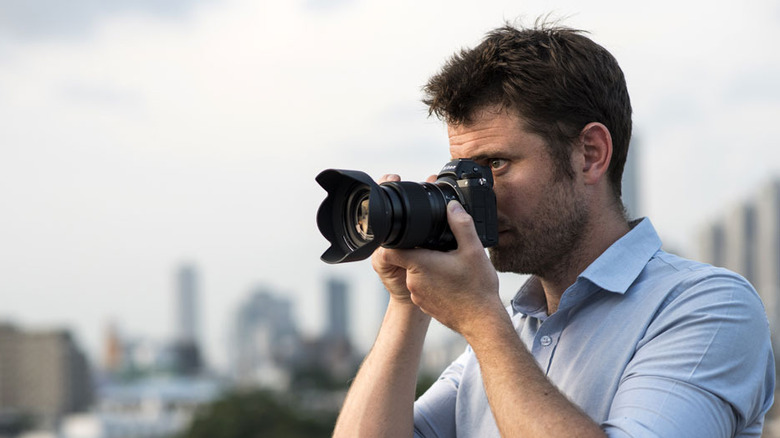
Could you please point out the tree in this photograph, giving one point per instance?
(256, 414)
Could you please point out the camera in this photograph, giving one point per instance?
(358, 215)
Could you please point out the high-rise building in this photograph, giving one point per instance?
(338, 309)
(186, 308)
(767, 250)
(265, 341)
(112, 349)
(42, 373)
(186, 347)
(740, 240)
(630, 183)
(337, 352)
(712, 244)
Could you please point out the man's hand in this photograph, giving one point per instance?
(459, 288)
(392, 276)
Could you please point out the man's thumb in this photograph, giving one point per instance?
(462, 225)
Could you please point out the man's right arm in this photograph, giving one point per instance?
(380, 401)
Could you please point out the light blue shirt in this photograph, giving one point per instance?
(646, 343)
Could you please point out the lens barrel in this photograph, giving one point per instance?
(419, 214)
(359, 215)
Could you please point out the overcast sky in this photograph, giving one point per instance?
(138, 135)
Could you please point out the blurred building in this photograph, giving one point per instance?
(740, 236)
(113, 351)
(335, 349)
(186, 305)
(186, 345)
(712, 244)
(265, 341)
(767, 251)
(43, 374)
(338, 309)
(267, 349)
(746, 240)
(127, 358)
(631, 182)
(161, 407)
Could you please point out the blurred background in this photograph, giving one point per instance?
(159, 258)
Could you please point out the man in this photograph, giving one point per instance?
(611, 336)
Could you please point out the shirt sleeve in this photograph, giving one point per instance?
(704, 368)
(434, 411)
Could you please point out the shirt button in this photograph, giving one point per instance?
(546, 341)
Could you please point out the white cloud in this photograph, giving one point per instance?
(35, 20)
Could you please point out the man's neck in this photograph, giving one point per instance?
(600, 236)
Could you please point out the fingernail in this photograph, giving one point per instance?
(455, 207)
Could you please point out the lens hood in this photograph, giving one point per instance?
(335, 223)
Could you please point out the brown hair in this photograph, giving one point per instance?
(554, 77)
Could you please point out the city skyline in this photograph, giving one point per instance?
(140, 136)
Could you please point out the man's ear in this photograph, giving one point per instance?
(596, 148)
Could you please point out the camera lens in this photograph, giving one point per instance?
(419, 216)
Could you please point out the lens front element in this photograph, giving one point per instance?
(357, 228)
(362, 224)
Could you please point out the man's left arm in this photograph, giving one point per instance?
(704, 367)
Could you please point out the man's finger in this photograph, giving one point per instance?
(389, 177)
(462, 225)
(401, 258)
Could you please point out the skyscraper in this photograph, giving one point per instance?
(767, 248)
(740, 240)
(712, 244)
(186, 347)
(265, 341)
(630, 182)
(338, 310)
(186, 308)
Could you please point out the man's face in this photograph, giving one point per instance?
(541, 214)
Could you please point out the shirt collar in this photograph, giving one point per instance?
(530, 299)
(614, 270)
(617, 267)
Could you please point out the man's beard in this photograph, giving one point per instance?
(545, 244)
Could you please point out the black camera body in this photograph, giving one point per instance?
(358, 215)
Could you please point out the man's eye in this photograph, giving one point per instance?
(497, 163)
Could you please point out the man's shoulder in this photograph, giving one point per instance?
(682, 279)
(665, 265)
